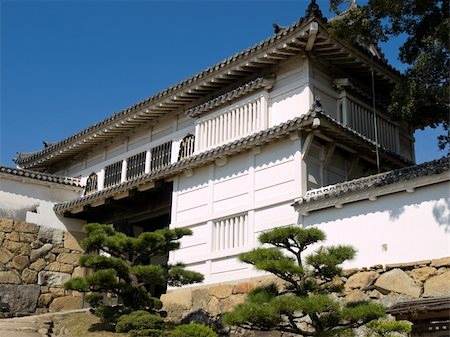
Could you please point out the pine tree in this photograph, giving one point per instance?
(308, 305)
(123, 269)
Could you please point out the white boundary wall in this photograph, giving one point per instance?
(33, 200)
(399, 227)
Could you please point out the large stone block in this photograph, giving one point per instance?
(361, 280)
(214, 307)
(21, 298)
(65, 303)
(396, 280)
(443, 262)
(243, 287)
(54, 266)
(52, 279)
(27, 237)
(221, 291)
(26, 227)
(71, 242)
(78, 272)
(50, 235)
(180, 297)
(423, 273)
(44, 300)
(10, 277)
(13, 236)
(6, 225)
(29, 276)
(38, 265)
(17, 247)
(20, 262)
(5, 255)
(40, 252)
(231, 302)
(356, 296)
(438, 285)
(69, 258)
(200, 298)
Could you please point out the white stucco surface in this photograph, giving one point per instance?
(32, 201)
(399, 227)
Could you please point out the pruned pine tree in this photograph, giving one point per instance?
(124, 269)
(306, 306)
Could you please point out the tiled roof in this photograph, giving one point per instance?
(245, 89)
(251, 141)
(40, 176)
(420, 305)
(378, 180)
(134, 113)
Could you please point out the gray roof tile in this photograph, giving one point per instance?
(40, 176)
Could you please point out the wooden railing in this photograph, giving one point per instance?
(236, 122)
(359, 117)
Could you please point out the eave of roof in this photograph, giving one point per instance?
(415, 306)
(302, 123)
(287, 42)
(366, 187)
(245, 89)
(41, 177)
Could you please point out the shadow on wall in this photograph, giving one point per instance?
(441, 213)
(17, 213)
(395, 205)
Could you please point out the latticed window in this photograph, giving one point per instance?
(113, 174)
(136, 165)
(161, 155)
(186, 147)
(230, 233)
(91, 184)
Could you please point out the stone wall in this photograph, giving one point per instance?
(384, 284)
(35, 262)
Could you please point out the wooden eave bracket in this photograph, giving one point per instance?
(313, 29)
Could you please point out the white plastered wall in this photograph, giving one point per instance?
(291, 95)
(258, 186)
(400, 227)
(33, 201)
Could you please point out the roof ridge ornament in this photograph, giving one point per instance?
(313, 10)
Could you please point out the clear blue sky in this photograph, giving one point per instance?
(68, 64)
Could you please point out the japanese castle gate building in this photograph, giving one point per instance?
(281, 133)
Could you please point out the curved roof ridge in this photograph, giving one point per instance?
(51, 178)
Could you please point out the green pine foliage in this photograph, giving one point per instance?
(123, 270)
(192, 330)
(383, 328)
(306, 306)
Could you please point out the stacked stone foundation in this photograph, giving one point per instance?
(387, 285)
(35, 262)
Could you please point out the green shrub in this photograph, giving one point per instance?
(139, 320)
(145, 333)
(110, 314)
(192, 330)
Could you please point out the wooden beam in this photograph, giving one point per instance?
(307, 145)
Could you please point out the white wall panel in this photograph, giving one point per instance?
(412, 226)
(275, 216)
